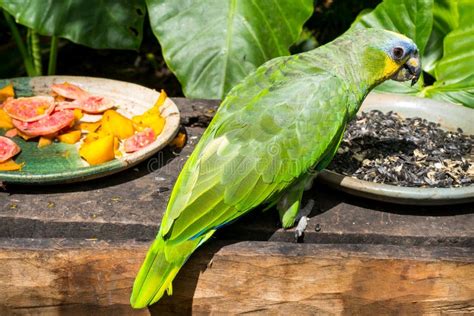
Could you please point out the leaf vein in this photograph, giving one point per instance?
(290, 30)
(254, 36)
(228, 44)
(269, 28)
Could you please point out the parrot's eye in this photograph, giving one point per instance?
(398, 52)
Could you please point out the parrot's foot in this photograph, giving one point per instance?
(302, 218)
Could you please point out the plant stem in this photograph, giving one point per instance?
(28, 43)
(152, 59)
(30, 69)
(53, 54)
(36, 52)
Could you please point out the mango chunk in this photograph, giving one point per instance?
(116, 143)
(90, 127)
(91, 137)
(59, 98)
(179, 140)
(116, 124)
(152, 118)
(24, 136)
(5, 120)
(161, 99)
(70, 137)
(7, 92)
(44, 141)
(78, 114)
(98, 151)
(10, 165)
(102, 133)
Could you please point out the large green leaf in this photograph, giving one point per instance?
(445, 19)
(413, 18)
(211, 45)
(95, 23)
(454, 72)
(391, 86)
(461, 92)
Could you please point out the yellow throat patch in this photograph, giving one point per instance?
(390, 67)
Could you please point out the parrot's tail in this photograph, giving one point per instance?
(160, 267)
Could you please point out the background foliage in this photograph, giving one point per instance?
(220, 42)
(211, 45)
(98, 24)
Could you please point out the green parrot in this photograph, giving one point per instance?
(270, 136)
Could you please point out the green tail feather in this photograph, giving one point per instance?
(160, 267)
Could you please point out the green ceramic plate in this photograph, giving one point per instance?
(61, 163)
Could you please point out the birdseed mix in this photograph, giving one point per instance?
(413, 152)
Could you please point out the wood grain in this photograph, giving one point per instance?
(55, 276)
(244, 277)
(75, 250)
(130, 204)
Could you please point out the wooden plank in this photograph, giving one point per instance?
(50, 276)
(130, 205)
(340, 218)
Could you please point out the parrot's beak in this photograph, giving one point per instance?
(411, 70)
(413, 65)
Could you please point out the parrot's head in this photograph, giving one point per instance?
(403, 53)
(390, 55)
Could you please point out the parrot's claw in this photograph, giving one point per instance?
(302, 219)
(300, 228)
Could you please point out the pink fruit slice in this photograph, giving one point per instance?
(11, 132)
(8, 148)
(48, 125)
(139, 140)
(29, 109)
(91, 104)
(69, 91)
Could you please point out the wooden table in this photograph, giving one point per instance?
(76, 249)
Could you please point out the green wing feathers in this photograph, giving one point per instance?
(268, 131)
(162, 263)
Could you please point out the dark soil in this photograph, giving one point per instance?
(144, 68)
